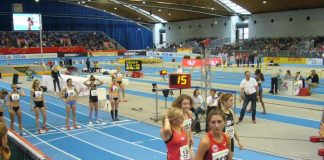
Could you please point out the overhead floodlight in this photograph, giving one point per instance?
(264, 2)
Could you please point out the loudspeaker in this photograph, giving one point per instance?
(15, 79)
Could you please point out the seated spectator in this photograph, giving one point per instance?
(314, 80)
(198, 101)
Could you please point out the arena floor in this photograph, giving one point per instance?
(282, 133)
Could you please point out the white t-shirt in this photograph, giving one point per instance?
(197, 101)
(179, 70)
(249, 86)
(212, 101)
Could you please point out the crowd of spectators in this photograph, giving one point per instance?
(308, 44)
(89, 40)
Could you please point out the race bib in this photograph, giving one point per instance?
(119, 75)
(38, 94)
(71, 94)
(184, 152)
(115, 88)
(94, 93)
(14, 97)
(187, 125)
(222, 155)
(230, 131)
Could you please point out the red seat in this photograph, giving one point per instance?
(304, 92)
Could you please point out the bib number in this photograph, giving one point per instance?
(115, 88)
(71, 94)
(187, 124)
(222, 155)
(94, 93)
(38, 94)
(184, 152)
(15, 97)
(230, 131)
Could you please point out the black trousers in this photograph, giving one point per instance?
(249, 98)
(58, 84)
(208, 110)
(274, 85)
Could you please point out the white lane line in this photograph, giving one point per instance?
(82, 131)
(77, 137)
(70, 136)
(70, 155)
(106, 133)
(91, 128)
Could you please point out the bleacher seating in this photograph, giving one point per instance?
(90, 40)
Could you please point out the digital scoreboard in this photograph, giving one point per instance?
(179, 80)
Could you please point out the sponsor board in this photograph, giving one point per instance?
(28, 56)
(184, 50)
(285, 60)
(314, 61)
(199, 62)
(103, 53)
(71, 54)
(171, 54)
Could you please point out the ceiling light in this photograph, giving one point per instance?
(169, 14)
(264, 2)
(104, 10)
(215, 22)
(143, 2)
(139, 18)
(115, 8)
(36, 0)
(160, 10)
(83, 2)
(212, 8)
(89, 0)
(78, 2)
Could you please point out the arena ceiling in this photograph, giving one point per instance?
(143, 11)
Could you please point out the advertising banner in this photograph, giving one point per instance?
(103, 53)
(314, 61)
(184, 50)
(199, 62)
(285, 60)
(27, 56)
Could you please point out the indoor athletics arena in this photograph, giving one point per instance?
(156, 80)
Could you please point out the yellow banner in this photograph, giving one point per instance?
(103, 53)
(184, 50)
(285, 60)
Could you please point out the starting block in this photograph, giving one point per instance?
(315, 139)
(321, 152)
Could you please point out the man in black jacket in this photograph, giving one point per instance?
(55, 75)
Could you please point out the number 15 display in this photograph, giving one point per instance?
(180, 81)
